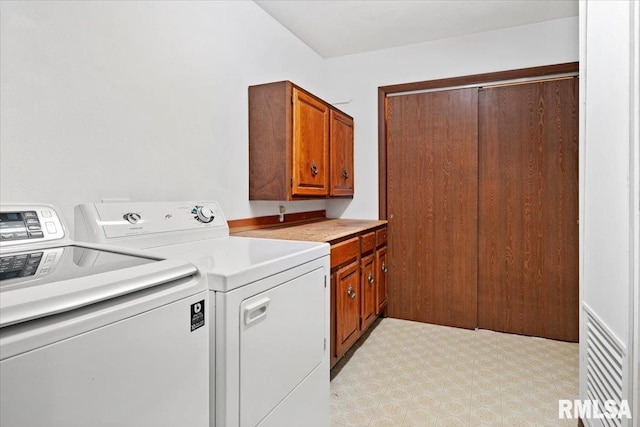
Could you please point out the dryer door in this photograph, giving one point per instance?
(282, 340)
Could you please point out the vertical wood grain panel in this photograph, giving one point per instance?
(528, 209)
(432, 172)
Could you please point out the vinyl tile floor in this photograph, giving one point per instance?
(408, 374)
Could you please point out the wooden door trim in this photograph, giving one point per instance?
(383, 91)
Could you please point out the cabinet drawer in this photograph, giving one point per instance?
(345, 251)
(368, 242)
(381, 237)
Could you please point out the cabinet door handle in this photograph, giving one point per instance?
(370, 278)
(345, 174)
(314, 168)
(351, 292)
(384, 267)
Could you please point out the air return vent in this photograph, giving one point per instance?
(605, 361)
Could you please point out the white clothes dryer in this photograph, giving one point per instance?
(269, 347)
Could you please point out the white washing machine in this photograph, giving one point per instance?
(269, 348)
(92, 336)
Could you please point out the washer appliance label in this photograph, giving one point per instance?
(197, 315)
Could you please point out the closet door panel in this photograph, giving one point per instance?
(528, 209)
(432, 172)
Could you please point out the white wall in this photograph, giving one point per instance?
(140, 100)
(357, 78)
(148, 100)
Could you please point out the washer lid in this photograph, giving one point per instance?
(42, 266)
(231, 262)
(43, 282)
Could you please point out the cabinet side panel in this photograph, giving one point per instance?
(269, 134)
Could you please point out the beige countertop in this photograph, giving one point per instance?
(327, 230)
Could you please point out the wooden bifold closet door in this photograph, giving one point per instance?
(528, 209)
(482, 204)
(432, 190)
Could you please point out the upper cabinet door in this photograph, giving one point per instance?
(289, 145)
(310, 146)
(341, 154)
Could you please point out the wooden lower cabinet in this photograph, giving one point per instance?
(358, 287)
(368, 291)
(381, 284)
(347, 306)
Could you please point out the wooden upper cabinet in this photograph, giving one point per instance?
(341, 154)
(310, 146)
(300, 147)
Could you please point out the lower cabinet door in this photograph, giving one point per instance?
(381, 276)
(368, 287)
(347, 307)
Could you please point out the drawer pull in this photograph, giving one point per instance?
(351, 292)
(384, 267)
(345, 174)
(371, 279)
(314, 168)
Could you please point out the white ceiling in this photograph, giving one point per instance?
(343, 27)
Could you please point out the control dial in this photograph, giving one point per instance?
(204, 214)
(132, 217)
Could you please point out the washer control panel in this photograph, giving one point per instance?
(27, 264)
(29, 224)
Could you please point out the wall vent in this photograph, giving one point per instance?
(605, 360)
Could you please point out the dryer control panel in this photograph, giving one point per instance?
(147, 224)
(29, 224)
